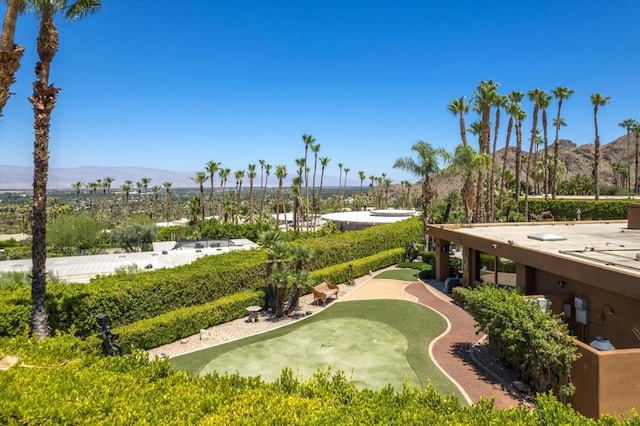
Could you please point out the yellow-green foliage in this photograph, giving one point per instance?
(359, 267)
(63, 381)
(589, 209)
(174, 325)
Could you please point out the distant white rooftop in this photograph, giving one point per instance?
(373, 217)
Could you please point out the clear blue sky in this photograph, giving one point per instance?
(173, 84)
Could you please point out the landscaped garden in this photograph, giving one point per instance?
(376, 342)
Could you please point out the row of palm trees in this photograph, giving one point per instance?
(486, 100)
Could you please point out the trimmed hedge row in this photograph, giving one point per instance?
(340, 273)
(589, 209)
(134, 297)
(75, 386)
(175, 325)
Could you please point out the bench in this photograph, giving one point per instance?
(324, 291)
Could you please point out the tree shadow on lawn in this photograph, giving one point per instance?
(419, 325)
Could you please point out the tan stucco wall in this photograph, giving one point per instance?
(606, 382)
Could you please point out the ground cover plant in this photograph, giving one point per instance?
(63, 380)
(417, 324)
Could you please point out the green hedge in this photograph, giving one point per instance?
(133, 297)
(532, 342)
(175, 325)
(68, 383)
(340, 273)
(589, 209)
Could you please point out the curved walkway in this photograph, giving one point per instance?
(451, 351)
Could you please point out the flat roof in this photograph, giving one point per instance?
(371, 216)
(608, 244)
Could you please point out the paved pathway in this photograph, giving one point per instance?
(451, 350)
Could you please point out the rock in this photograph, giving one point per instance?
(7, 362)
(204, 334)
(184, 341)
(521, 386)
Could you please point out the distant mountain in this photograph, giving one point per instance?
(21, 178)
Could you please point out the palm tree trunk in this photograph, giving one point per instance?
(545, 160)
(43, 101)
(490, 206)
(636, 172)
(556, 153)
(10, 54)
(518, 162)
(596, 156)
(504, 164)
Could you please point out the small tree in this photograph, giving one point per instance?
(134, 237)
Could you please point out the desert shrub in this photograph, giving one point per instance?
(534, 343)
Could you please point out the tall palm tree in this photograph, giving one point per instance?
(252, 175)
(239, 175)
(43, 101)
(545, 101)
(212, 168)
(167, 199)
(426, 167)
(223, 174)
(10, 53)
(512, 107)
(76, 187)
(340, 165)
(267, 173)
(362, 177)
(519, 116)
(281, 173)
(308, 141)
(598, 100)
(346, 172)
(560, 93)
(460, 107)
(628, 124)
(465, 162)
(126, 188)
(324, 162)
(536, 96)
(200, 178)
(485, 96)
(499, 102)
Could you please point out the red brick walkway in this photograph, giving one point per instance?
(451, 351)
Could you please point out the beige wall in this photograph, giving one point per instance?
(606, 381)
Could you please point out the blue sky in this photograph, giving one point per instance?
(173, 84)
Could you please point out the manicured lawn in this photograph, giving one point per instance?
(405, 274)
(376, 342)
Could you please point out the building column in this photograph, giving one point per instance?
(442, 260)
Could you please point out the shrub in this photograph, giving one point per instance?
(174, 325)
(534, 343)
(359, 267)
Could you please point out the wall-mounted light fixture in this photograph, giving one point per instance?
(606, 309)
(494, 246)
(562, 284)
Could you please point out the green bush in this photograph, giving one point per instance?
(340, 273)
(69, 383)
(536, 344)
(589, 209)
(174, 325)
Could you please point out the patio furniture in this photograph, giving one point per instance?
(324, 291)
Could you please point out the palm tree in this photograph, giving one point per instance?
(10, 53)
(43, 101)
(200, 178)
(598, 100)
(269, 240)
(628, 124)
(324, 162)
(281, 173)
(466, 162)
(299, 255)
(519, 116)
(167, 199)
(252, 175)
(126, 188)
(544, 102)
(425, 167)
(346, 172)
(485, 97)
(223, 174)
(362, 177)
(536, 96)
(155, 189)
(340, 165)
(499, 102)
(308, 141)
(76, 187)
(212, 168)
(513, 105)
(560, 93)
(316, 150)
(267, 173)
(239, 175)
(460, 107)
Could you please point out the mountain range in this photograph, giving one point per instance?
(578, 160)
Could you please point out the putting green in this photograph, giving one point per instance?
(374, 353)
(348, 331)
